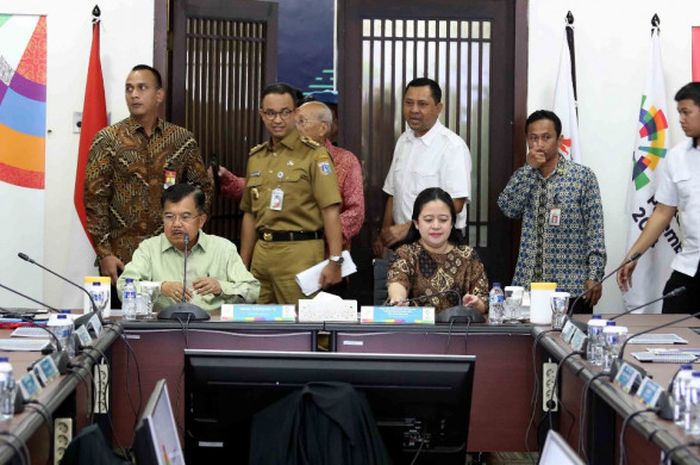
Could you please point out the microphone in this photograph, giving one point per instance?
(27, 258)
(60, 357)
(633, 258)
(458, 312)
(673, 293)
(184, 309)
(665, 412)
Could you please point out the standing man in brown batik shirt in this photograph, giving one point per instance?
(129, 166)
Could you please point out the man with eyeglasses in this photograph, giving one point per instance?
(215, 272)
(291, 202)
(559, 202)
(129, 165)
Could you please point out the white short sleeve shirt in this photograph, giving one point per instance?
(679, 186)
(438, 159)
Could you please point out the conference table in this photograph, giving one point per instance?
(67, 396)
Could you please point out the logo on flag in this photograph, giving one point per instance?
(652, 148)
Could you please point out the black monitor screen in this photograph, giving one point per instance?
(420, 403)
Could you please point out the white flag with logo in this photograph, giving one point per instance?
(650, 150)
(565, 107)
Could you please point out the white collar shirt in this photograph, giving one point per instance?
(440, 158)
(679, 186)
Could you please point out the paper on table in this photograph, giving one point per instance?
(308, 279)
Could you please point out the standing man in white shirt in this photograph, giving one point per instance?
(426, 155)
(678, 191)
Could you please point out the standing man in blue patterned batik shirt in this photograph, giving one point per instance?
(558, 200)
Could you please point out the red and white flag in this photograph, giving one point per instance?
(94, 119)
(565, 101)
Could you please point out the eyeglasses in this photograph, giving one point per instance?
(303, 122)
(185, 217)
(271, 114)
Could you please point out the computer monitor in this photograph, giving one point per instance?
(414, 399)
(156, 441)
(556, 451)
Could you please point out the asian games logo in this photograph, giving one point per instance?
(652, 143)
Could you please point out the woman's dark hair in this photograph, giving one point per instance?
(428, 195)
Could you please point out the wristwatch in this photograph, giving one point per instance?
(338, 259)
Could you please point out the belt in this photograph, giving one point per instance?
(278, 236)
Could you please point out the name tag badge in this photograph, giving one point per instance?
(276, 199)
(555, 216)
(169, 178)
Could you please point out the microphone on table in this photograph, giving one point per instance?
(95, 309)
(633, 258)
(60, 357)
(458, 313)
(666, 411)
(184, 309)
(677, 291)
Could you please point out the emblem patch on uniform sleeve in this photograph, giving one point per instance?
(325, 167)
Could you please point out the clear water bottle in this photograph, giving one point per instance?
(681, 383)
(62, 327)
(496, 304)
(129, 300)
(691, 422)
(614, 338)
(594, 347)
(8, 389)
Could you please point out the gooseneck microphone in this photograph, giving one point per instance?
(665, 411)
(60, 356)
(27, 258)
(186, 239)
(633, 258)
(184, 309)
(677, 291)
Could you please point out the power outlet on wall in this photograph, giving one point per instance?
(549, 375)
(101, 392)
(62, 436)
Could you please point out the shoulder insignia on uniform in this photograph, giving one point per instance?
(257, 148)
(310, 142)
(325, 167)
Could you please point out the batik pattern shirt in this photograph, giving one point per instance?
(125, 178)
(570, 252)
(352, 206)
(426, 274)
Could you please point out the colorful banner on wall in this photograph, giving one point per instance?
(22, 100)
(22, 151)
(651, 146)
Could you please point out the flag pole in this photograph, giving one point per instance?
(570, 42)
(96, 14)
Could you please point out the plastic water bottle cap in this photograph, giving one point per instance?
(62, 316)
(686, 366)
(596, 316)
(496, 284)
(611, 323)
(65, 312)
(696, 374)
(4, 359)
(129, 280)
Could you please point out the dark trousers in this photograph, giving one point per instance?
(689, 301)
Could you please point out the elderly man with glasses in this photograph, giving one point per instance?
(215, 273)
(291, 203)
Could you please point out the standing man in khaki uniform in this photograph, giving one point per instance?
(291, 201)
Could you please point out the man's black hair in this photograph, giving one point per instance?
(435, 90)
(690, 91)
(159, 80)
(281, 88)
(177, 192)
(544, 114)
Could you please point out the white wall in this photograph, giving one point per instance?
(612, 40)
(126, 40)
